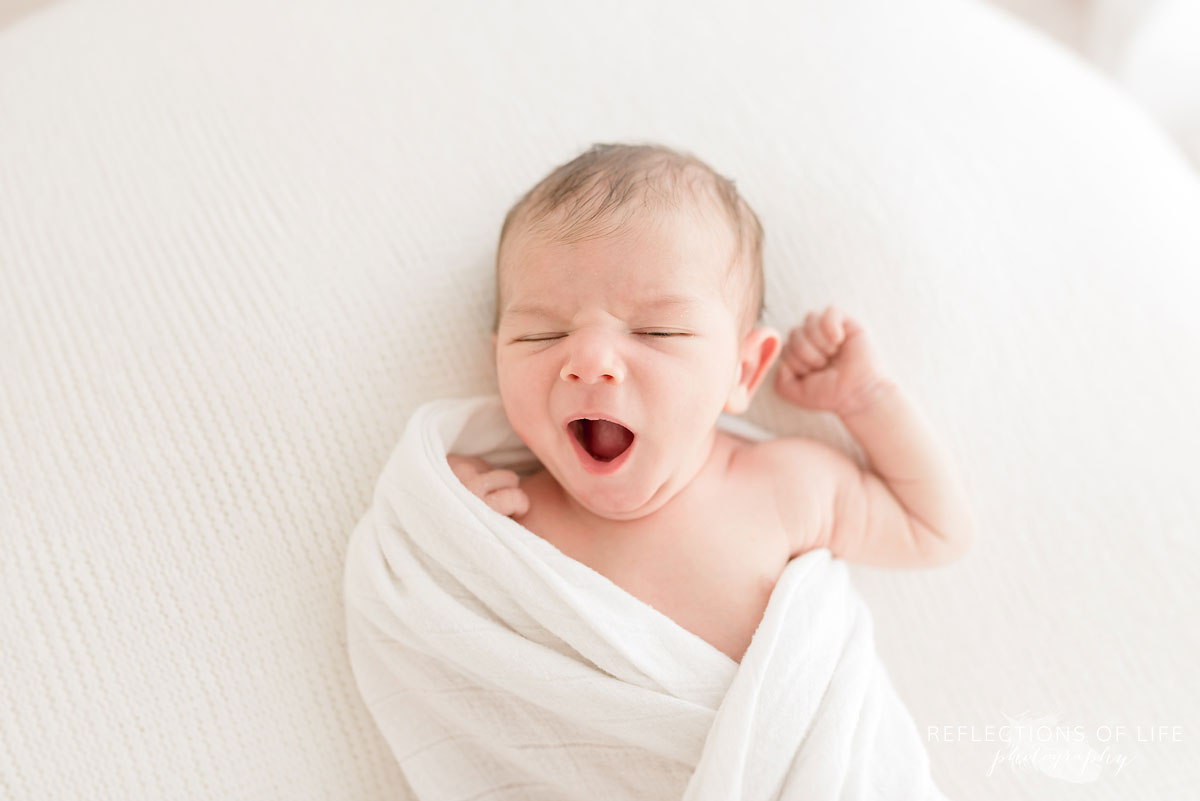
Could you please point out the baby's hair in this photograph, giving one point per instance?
(596, 193)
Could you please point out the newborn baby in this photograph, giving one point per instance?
(629, 294)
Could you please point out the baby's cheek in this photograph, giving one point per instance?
(508, 375)
(521, 408)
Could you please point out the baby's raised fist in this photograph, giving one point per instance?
(829, 363)
(499, 489)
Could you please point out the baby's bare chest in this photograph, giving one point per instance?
(709, 565)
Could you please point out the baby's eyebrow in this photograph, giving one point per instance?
(660, 302)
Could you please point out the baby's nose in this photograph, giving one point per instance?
(593, 362)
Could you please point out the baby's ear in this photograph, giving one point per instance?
(757, 353)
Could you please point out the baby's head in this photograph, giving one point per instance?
(629, 286)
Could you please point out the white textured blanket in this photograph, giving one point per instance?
(493, 662)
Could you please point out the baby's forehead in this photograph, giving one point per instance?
(632, 284)
(676, 249)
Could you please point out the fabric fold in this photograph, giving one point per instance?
(491, 660)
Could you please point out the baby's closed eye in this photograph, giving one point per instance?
(548, 337)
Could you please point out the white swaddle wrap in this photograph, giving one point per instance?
(497, 666)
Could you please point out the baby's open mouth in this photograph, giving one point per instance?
(604, 440)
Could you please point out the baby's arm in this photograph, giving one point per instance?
(909, 508)
(499, 489)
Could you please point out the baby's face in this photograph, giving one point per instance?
(635, 328)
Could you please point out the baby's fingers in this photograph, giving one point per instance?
(499, 489)
(509, 502)
(801, 354)
(825, 330)
(791, 364)
(466, 467)
(489, 482)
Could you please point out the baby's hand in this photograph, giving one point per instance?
(829, 364)
(498, 488)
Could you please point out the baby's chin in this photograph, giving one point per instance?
(614, 511)
(627, 498)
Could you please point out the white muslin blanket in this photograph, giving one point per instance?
(498, 667)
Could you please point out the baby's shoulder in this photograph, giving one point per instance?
(770, 466)
(810, 480)
(776, 457)
(784, 457)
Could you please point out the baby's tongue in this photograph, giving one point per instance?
(606, 440)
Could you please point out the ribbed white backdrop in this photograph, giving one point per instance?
(241, 241)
